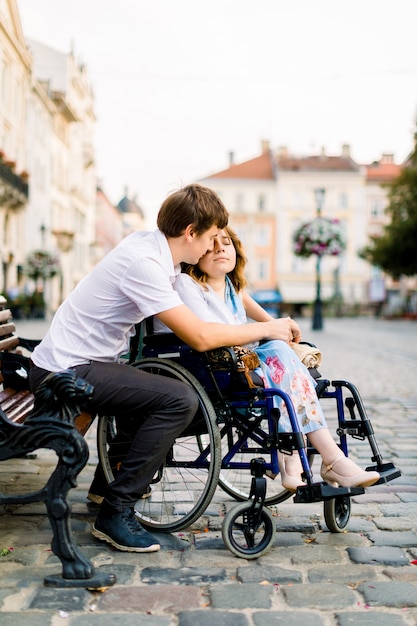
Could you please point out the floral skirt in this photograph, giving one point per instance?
(281, 368)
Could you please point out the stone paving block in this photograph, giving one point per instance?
(373, 497)
(378, 555)
(364, 509)
(341, 540)
(369, 618)
(310, 553)
(121, 619)
(289, 509)
(33, 576)
(289, 539)
(401, 539)
(28, 617)
(399, 510)
(298, 525)
(183, 575)
(67, 600)
(268, 573)
(408, 497)
(212, 618)
(401, 574)
(244, 596)
(152, 599)
(210, 542)
(346, 574)
(212, 558)
(413, 552)
(125, 574)
(27, 556)
(396, 523)
(287, 618)
(389, 594)
(5, 592)
(407, 481)
(324, 596)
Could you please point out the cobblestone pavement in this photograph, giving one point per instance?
(363, 576)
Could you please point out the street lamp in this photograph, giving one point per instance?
(317, 323)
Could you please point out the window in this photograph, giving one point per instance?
(377, 208)
(262, 236)
(343, 200)
(262, 203)
(263, 270)
(240, 204)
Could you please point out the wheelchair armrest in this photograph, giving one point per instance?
(223, 358)
(161, 339)
(308, 343)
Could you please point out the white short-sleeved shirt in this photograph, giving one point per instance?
(96, 321)
(203, 301)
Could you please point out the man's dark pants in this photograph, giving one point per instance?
(152, 411)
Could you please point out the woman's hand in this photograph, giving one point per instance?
(296, 332)
(285, 329)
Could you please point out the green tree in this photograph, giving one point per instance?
(394, 251)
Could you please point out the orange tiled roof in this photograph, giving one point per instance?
(382, 172)
(261, 167)
(317, 163)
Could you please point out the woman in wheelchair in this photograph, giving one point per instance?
(215, 290)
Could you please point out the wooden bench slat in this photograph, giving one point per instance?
(5, 316)
(12, 402)
(9, 342)
(7, 395)
(17, 405)
(83, 422)
(7, 329)
(20, 412)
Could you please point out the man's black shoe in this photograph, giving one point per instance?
(121, 528)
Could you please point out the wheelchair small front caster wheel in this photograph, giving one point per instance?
(337, 513)
(245, 537)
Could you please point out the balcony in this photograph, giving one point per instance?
(14, 189)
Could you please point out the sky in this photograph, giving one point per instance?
(179, 84)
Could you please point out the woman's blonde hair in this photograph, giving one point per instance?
(236, 275)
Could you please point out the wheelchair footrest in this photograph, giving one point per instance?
(387, 471)
(318, 492)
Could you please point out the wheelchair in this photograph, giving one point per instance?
(233, 443)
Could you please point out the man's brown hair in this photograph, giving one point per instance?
(194, 204)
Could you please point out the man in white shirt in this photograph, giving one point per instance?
(92, 328)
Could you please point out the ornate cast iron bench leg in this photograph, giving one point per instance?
(51, 426)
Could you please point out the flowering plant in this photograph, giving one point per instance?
(42, 264)
(320, 236)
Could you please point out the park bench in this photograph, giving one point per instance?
(50, 419)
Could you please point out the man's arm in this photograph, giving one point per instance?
(208, 335)
(258, 313)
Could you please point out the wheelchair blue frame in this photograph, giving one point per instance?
(240, 428)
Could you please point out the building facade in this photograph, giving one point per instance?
(50, 208)
(15, 75)
(270, 196)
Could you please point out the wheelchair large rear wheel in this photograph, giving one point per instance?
(184, 486)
